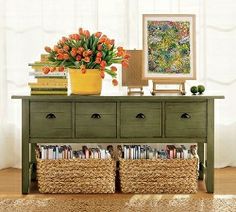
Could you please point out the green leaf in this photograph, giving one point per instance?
(90, 64)
(113, 74)
(95, 44)
(104, 54)
(91, 40)
(97, 66)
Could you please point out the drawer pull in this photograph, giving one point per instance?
(50, 116)
(96, 116)
(185, 116)
(140, 116)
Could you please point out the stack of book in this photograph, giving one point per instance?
(147, 152)
(65, 152)
(54, 82)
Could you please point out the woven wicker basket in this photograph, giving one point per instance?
(158, 176)
(76, 176)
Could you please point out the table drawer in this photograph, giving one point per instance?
(50, 120)
(140, 119)
(185, 119)
(96, 120)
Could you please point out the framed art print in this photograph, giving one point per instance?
(169, 47)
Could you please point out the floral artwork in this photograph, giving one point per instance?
(168, 48)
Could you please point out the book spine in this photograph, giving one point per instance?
(51, 77)
(51, 74)
(48, 85)
(48, 92)
(48, 89)
(52, 80)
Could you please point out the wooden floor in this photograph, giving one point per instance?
(225, 183)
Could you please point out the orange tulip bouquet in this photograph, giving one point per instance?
(85, 51)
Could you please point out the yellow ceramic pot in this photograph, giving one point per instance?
(89, 83)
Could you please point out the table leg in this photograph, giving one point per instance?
(210, 147)
(25, 146)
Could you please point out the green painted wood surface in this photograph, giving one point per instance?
(118, 140)
(163, 97)
(25, 147)
(93, 107)
(176, 126)
(50, 107)
(40, 126)
(149, 126)
(88, 127)
(210, 147)
(102, 127)
(117, 112)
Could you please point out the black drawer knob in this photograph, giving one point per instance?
(50, 116)
(140, 116)
(96, 116)
(185, 116)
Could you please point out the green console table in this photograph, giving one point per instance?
(118, 119)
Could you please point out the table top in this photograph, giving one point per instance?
(120, 96)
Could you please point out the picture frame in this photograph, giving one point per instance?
(169, 52)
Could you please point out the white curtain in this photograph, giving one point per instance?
(26, 26)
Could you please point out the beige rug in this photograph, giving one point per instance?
(146, 203)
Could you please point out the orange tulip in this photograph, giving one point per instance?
(114, 82)
(103, 64)
(46, 70)
(61, 68)
(80, 50)
(83, 69)
(87, 33)
(109, 46)
(60, 51)
(100, 47)
(64, 39)
(103, 39)
(55, 48)
(119, 49)
(113, 69)
(99, 54)
(66, 48)
(48, 49)
(102, 74)
(52, 69)
(87, 59)
(98, 34)
(85, 54)
(127, 56)
(120, 53)
(124, 63)
(66, 56)
(112, 41)
(98, 60)
(76, 36)
(60, 57)
(107, 42)
(81, 31)
(78, 58)
(73, 52)
(90, 52)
